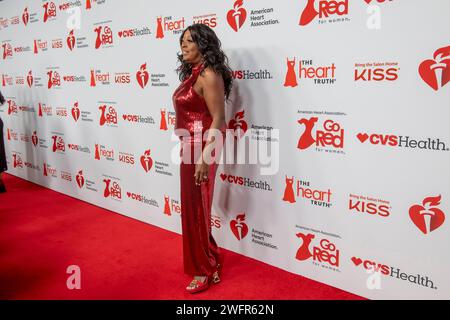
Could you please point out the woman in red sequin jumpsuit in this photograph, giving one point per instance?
(199, 104)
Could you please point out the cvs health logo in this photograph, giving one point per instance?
(427, 217)
(372, 266)
(238, 125)
(436, 73)
(326, 252)
(331, 134)
(237, 16)
(239, 227)
(323, 9)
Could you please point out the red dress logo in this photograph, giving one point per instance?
(167, 206)
(236, 16)
(142, 76)
(238, 227)
(159, 28)
(303, 253)
(436, 73)
(289, 190)
(427, 217)
(291, 76)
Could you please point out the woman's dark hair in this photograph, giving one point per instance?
(209, 46)
(2, 99)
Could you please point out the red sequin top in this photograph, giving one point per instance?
(191, 110)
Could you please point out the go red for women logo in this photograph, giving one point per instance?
(427, 217)
(237, 16)
(104, 36)
(17, 161)
(238, 125)
(436, 72)
(112, 190)
(326, 251)
(7, 50)
(54, 79)
(323, 9)
(330, 135)
(239, 227)
(107, 116)
(49, 10)
(58, 144)
(142, 76)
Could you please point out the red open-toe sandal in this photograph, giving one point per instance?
(197, 285)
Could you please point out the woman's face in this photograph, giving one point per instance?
(189, 49)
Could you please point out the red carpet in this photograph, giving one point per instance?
(42, 232)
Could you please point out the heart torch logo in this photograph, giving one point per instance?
(238, 125)
(25, 16)
(142, 76)
(146, 161)
(236, 16)
(30, 79)
(436, 73)
(71, 40)
(427, 217)
(80, 179)
(34, 139)
(239, 227)
(75, 112)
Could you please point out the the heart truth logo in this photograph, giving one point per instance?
(326, 252)
(71, 40)
(146, 161)
(317, 197)
(80, 179)
(436, 73)
(142, 76)
(323, 9)
(238, 125)
(104, 36)
(112, 191)
(237, 16)
(427, 217)
(239, 227)
(307, 70)
(49, 10)
(331, 136)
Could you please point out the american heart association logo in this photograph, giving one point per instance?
(142, 76)
(436, 73)
(238, 227)
(236, 16)
(427, 217)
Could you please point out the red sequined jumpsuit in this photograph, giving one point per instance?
(200, 251)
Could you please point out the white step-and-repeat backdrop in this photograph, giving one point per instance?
(350, 98)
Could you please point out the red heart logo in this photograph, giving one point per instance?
(368, 1)
(223, 176)
(362, 137)
(129, 194)
(356, 261)
(65, 78)
(124, 117)
(120, 34)
(418, 218)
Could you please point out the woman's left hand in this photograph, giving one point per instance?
(201, 172)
